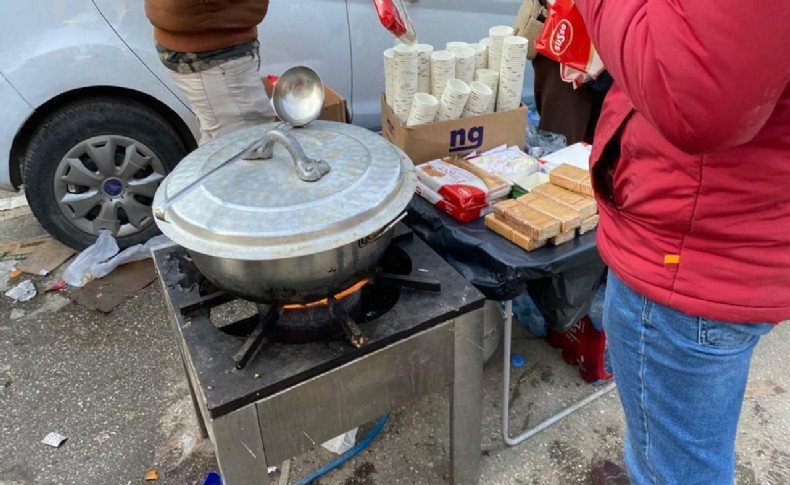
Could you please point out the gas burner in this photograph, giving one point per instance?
(343, 316)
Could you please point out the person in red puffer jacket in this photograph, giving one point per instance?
(691, 168)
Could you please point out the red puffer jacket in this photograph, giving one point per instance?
(692, 153)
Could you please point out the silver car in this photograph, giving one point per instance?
(90, 122)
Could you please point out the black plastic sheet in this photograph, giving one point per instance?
(560, 279)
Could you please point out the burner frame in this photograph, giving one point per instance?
(274, 424)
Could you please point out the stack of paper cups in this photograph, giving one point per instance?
(511, 73)
(442, 70)
(479, 99)
(389, 56)
(453, 100)
(490, 78)
(424, 52)
(497, 35)
(404, 79)
(465, 64)
(423, 109)
(486, 41)
(481, 55)
(451, 46)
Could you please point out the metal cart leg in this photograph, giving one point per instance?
(512, 441)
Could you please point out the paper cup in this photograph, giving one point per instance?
(465, 64)
(479, 99)
(453, 100)
(405, 79)
(497, 36)
(423, 109)
(451, 46)
(442, 70)
(481, 55)
(511, 72)
(389, 57)
(490, 78)
(486, 41)
(424, 52)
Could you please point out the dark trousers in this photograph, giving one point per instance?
(570, 112)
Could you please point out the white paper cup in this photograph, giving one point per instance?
(423, 109)
(497, 36)
(442, 70)
(389, 57)
(405, 79)
(453, 100)
(481, 55)
(490, 78)
(451, 46)
(511, 72)
(424, 52)
(486, 41)
(479, 99)
(465, 64)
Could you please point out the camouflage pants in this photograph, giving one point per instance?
(227, 97)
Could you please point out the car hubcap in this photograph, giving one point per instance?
(108, 182)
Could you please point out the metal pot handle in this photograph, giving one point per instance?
(307, 169)
(384, 230)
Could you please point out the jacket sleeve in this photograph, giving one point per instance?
(707, 74)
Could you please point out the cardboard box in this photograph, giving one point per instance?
(335, 106)
(457, 137)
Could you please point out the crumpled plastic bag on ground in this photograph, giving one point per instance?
(24, 291)
(103, 257)
(343, 443)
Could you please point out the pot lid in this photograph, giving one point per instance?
(261, 209)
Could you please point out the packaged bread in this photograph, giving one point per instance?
(454, 184)
(563, 237)
(519, 239)
(461, 214)
(533, 223)
(498, 226)
(586, 188)
(500, 208)
(569, 218)
(498, 188)
(589, 224)
(569, 177)
(524, 242)
(586, 206)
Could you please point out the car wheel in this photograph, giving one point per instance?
(95, 165)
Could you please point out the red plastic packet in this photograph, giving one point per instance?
(462, 214)
(453, 184)
(566, 40)
(395, 18)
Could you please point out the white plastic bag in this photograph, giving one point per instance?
(343, 443)
(103, 257)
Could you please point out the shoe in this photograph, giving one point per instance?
(607, 473)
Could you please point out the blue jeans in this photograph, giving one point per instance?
(681, 381)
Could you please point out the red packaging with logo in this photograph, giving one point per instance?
(395, 18)
(461, 214)
(566, 40)
(453, 184)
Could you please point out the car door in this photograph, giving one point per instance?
(295, 32)
(436, 21)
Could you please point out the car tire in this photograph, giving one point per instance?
(89, 152)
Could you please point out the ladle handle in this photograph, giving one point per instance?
(307, 169)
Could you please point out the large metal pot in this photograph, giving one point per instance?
(267, 220)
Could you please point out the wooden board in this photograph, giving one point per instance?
(107, 293)
(46, 258)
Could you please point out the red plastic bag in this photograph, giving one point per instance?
(566, 40)
(395, 18)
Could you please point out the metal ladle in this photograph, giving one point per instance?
(297, 99)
